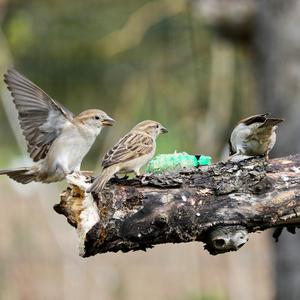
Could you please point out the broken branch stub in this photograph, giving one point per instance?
(218, 205)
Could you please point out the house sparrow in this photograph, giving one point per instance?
(56, 139)
(131, 153)
(254, 136)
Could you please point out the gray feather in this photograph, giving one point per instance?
(22, 175)
(100, 181)
(41, 118)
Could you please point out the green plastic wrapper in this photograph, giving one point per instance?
(204, 160)
(177, 161)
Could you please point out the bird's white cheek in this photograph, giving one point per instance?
(95, 130)
(98, 130)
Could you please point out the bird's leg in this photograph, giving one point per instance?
(141, 177)
(267, 156)
(65, 172)
(231, 157)
(118, 177)
(238, 157)
(137, 172)
(125, 176)
(60, 168)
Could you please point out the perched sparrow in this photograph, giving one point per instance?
(254, 136)
(131, 153)
(56, 140)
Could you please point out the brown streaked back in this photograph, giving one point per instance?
(133, 145)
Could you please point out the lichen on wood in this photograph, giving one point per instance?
(218, 205)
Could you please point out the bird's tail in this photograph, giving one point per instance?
(22, 175)
(100, 181)
(271, 122)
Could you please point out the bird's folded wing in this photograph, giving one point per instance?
(264, 130)
(131, 146)
(41, 118)
(255, 119)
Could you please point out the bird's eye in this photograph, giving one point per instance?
(97, 117)
(157, 126)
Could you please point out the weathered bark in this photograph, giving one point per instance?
(218, 205)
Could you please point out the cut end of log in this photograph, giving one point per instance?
(79, 207)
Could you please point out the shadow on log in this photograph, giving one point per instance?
(218, 205)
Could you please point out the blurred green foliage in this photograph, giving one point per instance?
(135, 59)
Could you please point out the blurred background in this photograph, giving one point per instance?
(197, 67)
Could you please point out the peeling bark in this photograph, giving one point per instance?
(218, 205)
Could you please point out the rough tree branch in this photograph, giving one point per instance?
(218, 205)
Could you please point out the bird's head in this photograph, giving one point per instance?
(94, 120)
(150, 127)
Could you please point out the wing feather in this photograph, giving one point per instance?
(255, 119)
(131, 146)
(41, 118)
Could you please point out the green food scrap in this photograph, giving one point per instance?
(176, 161)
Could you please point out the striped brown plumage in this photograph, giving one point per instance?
(130, 153)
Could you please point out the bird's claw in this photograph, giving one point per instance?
(144, 178)
(236, 158)
(117, 177)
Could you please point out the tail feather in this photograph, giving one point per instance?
(271, 122)
(100, 181)
(22, 175)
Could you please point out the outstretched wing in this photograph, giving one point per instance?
(131, 146)
(41, 118)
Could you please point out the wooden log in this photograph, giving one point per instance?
(218, 205)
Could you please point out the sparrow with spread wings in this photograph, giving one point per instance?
(254, 136)
(57, 141)
(131, 153)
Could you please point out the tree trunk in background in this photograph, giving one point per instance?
(277, 63)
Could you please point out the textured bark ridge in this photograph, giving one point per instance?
(218, 205)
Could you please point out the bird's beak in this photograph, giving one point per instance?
(164, 130)
(108, 121)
